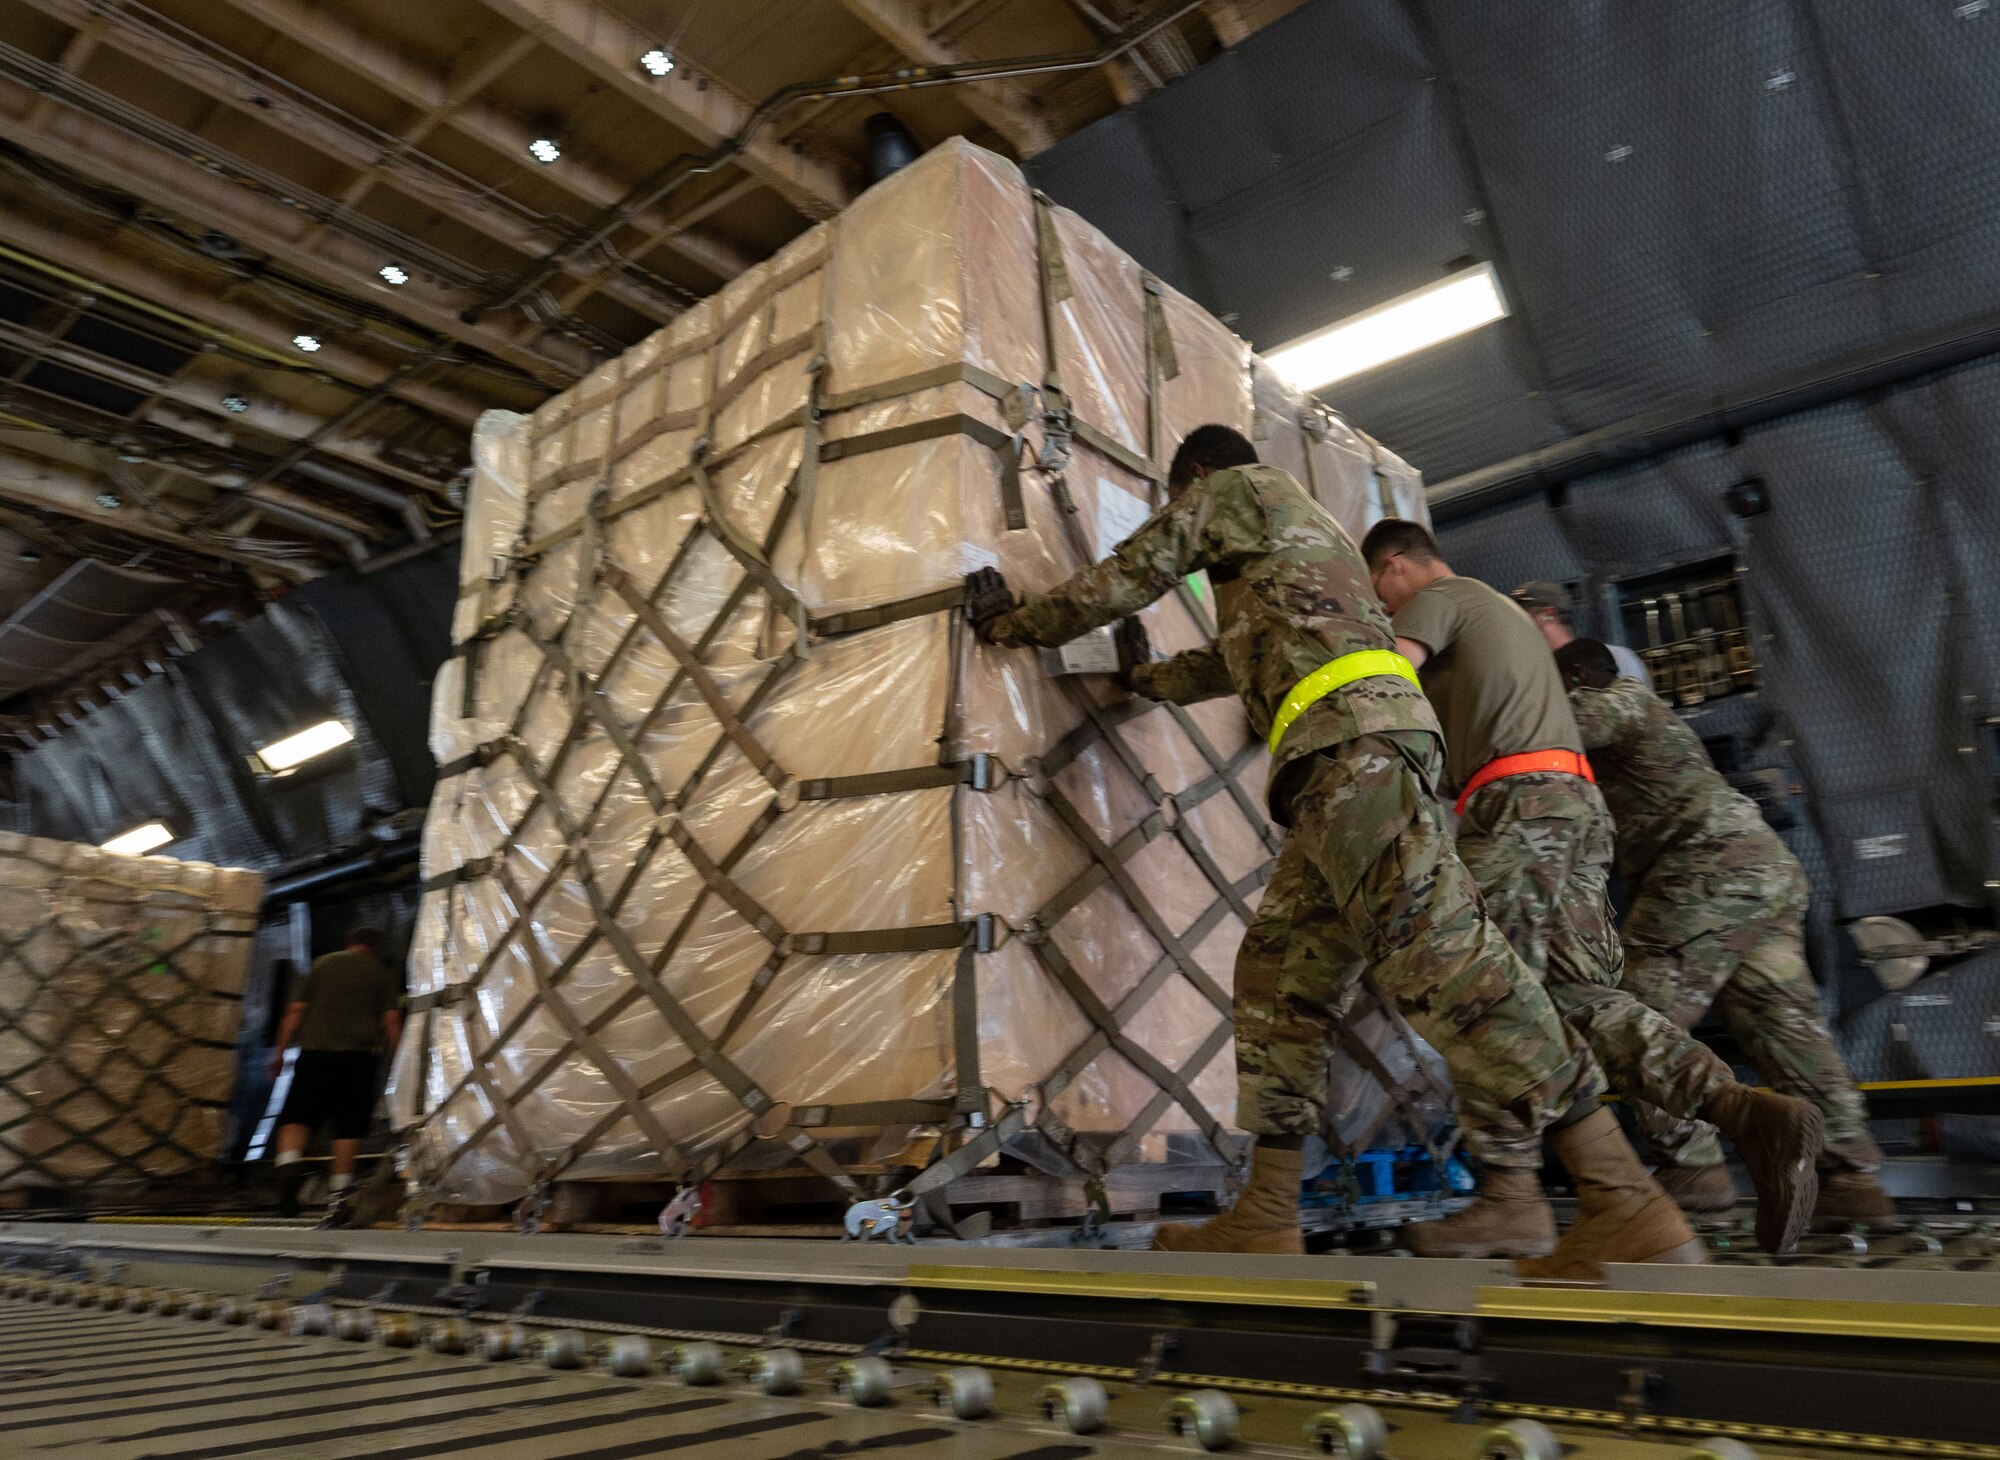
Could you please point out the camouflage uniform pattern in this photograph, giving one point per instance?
(1717, 917)
(1291, 593)
(1540, 847)
(1367, 880)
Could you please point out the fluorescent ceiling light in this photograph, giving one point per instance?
(141, 839)
(394, 274)
(1420, 319)
(656, 62)
(295, 750)
(544, 149)
(307, 343)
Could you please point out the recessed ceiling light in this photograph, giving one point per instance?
(294, 750)
(394, 274)
(544, 149)
(307, 343)
(235, 404)
(656, 62)
(110, 501)
(141, 839)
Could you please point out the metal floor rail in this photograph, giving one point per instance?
(136, 1341)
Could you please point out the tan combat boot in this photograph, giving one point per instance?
(1265, 1218)
(1702, 1191)
(1622, 1215)
(1850, 1198)
(1508, 1218)
(1780, 1139)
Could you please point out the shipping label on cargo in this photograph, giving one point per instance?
(1119, 515)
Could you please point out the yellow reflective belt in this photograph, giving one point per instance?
(1323, 681)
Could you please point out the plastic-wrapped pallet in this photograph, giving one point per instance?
(744, 851)
(121, 986)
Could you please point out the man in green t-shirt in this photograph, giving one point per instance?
(1536, 835)
(344, 1013)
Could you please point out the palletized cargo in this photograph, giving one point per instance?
(744, 853)
(121, 988)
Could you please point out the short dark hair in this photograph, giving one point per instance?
(1591, 659)
(1215, 447)
(1393, 535)
(364, 936)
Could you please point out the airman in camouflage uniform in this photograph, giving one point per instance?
(1716, 918)
(1540, 847)
(1367, 879)
(1538, 839)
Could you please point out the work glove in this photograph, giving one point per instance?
(988, 599)
(1134, 649)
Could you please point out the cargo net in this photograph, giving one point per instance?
(121, 987)
(637, 777)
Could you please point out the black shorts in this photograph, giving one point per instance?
(335, 1086)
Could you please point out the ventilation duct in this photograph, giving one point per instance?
(891, 148)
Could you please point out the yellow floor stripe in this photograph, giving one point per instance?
(1970, 1082)
(182, 1221)
(1261, 1292)
(1948, 1322)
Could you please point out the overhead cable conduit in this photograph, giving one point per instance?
(1650, 434)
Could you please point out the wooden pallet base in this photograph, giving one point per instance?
(36, 1199)
(196, 1191)
(796, 1202)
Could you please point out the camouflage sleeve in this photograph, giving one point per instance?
(1198, 529)
(1601, 717)
(1186, 679)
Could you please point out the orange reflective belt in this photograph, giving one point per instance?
(1569, 762)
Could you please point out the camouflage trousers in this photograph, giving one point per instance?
(1698, 936)
(1540, 847)
(1368, 883)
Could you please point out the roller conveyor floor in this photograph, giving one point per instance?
(136, 1341)
(128, 1386)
